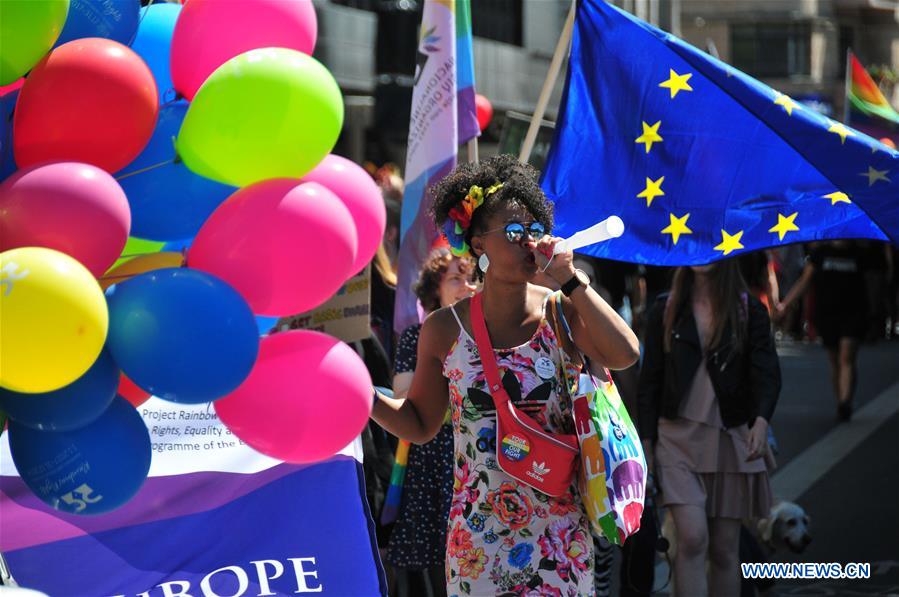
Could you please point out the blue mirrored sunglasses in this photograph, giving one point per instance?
(516, 231)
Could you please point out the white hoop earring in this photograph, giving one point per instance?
(483, 262)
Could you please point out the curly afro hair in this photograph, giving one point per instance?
(520, 187)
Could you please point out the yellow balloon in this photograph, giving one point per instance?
(140, 265)
(53, 320)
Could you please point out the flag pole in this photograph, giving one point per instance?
(473, 150)
(847, 86)
(554, 67)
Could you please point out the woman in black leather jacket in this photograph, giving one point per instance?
(708, 388)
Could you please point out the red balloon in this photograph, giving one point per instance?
(484, 110)
(90, 100)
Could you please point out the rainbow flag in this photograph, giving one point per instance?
(394, 498)
(213, 518)
(865, 96)
(443, 116)
(465, 104)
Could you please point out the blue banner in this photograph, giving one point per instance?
(213, 519)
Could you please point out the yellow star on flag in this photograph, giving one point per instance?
(729, 242)
(787, 102)
(650, 135)
(784, 224)
(838, 197)
(874, 175)
(653, 189)
(676, 82)
(677, 227)
(842, 131)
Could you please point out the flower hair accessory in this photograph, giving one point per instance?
(459, 220)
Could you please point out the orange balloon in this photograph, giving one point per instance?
(139, 265)
(888, 142)
(131, 392)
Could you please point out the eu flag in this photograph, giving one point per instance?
(700, 160)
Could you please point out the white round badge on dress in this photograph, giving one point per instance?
(545, 368)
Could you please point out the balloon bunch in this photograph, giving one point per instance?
(169, 181)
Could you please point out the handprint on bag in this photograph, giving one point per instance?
(631, 518)
(627, 480)
(620, 442)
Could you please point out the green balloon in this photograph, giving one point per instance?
(28, 28)
(136, 246)
(267, 113)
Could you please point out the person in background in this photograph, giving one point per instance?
(418, 540)
(708, 388)
(758, 271)
(878, 271)
(383, 297)
(652, 280)
(836, 272)
(392, 187)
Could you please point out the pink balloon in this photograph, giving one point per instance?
(307, 397)
(17, 84)
(71, 207)
(286, 246)
(358, 191)
(211, 32)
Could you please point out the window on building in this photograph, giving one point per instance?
(771, 50)
(360, 4)
(499, 20)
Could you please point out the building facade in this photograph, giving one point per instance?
(796, 46)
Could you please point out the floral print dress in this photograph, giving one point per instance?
(504, 537)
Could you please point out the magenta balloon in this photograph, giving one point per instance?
(358, 191)
(71, 207)
(307, 397)
(286, 246)
(211, 32)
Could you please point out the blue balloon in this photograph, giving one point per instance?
(177, 246)
(112, 19)
(153, 43)
(181, 334)
(265, 324)
(90, 470)
(71, 407)
(168, 202)
(7, 160)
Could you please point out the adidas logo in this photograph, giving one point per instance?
(539, 471)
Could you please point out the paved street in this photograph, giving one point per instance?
(846, 476)
(853, 497)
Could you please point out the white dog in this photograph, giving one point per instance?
(787, 525)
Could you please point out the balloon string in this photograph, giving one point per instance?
(127, 255)
(120, 276)
(147, 169)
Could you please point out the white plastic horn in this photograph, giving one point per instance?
(611, 227)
